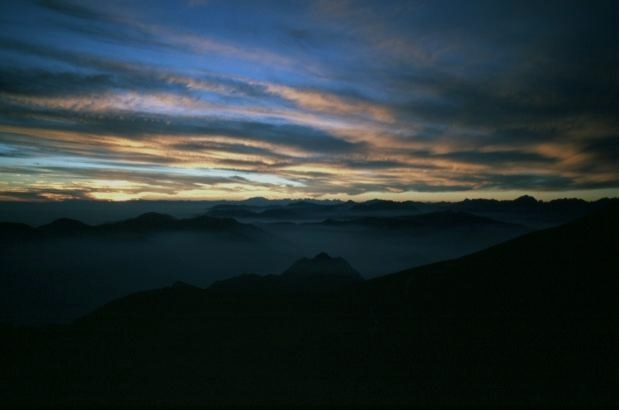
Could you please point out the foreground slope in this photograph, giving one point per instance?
(562, 270)
(531, 321)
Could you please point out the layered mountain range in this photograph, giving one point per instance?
(531, 321)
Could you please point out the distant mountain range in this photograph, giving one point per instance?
(525, 209)
(531, 321)
(146, 223)
(61, 270)
(153, 222)
(519, 274)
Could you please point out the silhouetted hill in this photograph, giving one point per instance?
(145, 223)
(543, 267)
(319, 274)
(322, 265)
(307, 277)
(259, 201)
(383, 205)
(218, 225)
(531, 321)
(523, 210)
(544, 213)
(555, 210)
(558, 271)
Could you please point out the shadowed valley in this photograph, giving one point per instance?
(530, 321)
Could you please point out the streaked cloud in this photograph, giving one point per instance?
(330, 99)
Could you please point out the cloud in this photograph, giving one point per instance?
(106, 26)
(331, 103)
(74, 10)
(111, 73)
(497, 157)
(97, 119)
(604, 149)
(325, 98)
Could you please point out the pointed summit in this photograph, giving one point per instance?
(322, 265)
(322, 273)
(526, 199)
(153, 218)
(322, 256)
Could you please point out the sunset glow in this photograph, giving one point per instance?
(320, 99)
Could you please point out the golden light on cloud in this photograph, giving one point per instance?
(341, 105)
(329, 103)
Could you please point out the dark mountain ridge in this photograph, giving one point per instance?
(319, 274)
(529, 322)
(523, 210)
(146, 223)
(553, 260)
(97, 212)
(384, 205)
(321, 265)
(565, 269)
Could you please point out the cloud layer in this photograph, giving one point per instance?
(324, 99)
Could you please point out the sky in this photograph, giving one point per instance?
(223, 99)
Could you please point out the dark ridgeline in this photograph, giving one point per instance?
(319, 274)
(524, 209)
(531, 321)
(145, 223)
(62, 270)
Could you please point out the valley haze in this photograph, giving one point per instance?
(59, 268)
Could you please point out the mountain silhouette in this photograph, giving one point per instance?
(318, 274)
(557, 210)
(322, 265)
(384, 205)
(525, 200)
(540, 214)
(529, 322)
(524, 210)
(146, 223)
(562, 270)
